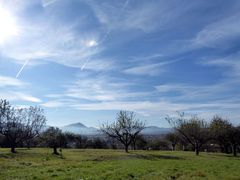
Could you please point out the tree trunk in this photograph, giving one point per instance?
(28, 145)
(55, 150)
(226, 149)
(13, 149)
(134, 145)
(222, 149)
(197, 151)
(126, 148)
(234, 147)
(173, 147)
(196, 148)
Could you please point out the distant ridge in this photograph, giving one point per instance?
(79, 128)
(76, 124)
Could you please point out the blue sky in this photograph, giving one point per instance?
(84, 60)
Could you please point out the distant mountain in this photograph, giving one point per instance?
(154, 130)
(79, 128)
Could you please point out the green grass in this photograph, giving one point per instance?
(115, 164)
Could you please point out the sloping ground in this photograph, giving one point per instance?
(110, 164)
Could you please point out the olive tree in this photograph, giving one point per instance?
(125, 129)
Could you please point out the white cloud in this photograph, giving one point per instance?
(53, 104)
(149, 69)
(9, 81)
(95, 89)
(197, 92)
(215, 34)
(46, 3)
(57, 45)
(146, 15)
(66, 44)
(230, 65)
(100, 89)
(26, 97)
(89, 93)
(13, 89)
(143, 58)
(18, 96)
(207, 110)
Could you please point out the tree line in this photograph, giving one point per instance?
(197, 134)
(26, 127)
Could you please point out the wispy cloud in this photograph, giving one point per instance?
(163, 108)
(199, 93)
(9, 81)
(46, 3)
(145, 16)
(63, 44)
(149, 69)
(123, 54)
(66, 50)
(14, 90)
(19, 96)
(219, 33)
(229, 64)
(53, 104)
(101, 89)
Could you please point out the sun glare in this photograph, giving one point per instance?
(8, 27)
(91, 43)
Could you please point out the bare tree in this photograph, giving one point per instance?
(19, 125)
(193, 130)
(125, 129)
(35, 122)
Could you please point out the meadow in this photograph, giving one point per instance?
(39, 163)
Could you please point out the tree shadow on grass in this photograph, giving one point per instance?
(133, 155)
(156, 157)
(9, 155)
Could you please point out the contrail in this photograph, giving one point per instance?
(84, 65)
(19, 72)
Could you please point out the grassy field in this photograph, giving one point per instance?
(115, 164)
